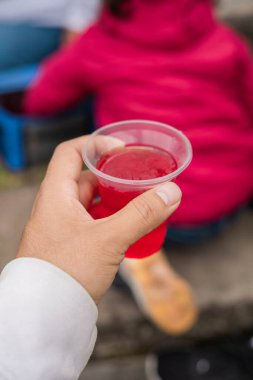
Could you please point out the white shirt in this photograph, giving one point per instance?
(69, 14)
(47, 323)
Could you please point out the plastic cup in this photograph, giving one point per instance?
(116, 192)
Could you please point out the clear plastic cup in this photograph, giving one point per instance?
(116, 192)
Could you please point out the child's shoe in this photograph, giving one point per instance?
(161, 294)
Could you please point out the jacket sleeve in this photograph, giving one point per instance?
(62, 81)
(47, 322)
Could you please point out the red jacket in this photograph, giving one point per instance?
(170, 61)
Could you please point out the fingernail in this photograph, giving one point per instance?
(112, 142)
(169, 193)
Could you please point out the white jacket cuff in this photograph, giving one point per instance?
(47, 322)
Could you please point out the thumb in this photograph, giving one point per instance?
(145, 213)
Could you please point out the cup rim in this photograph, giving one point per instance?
(138, 183)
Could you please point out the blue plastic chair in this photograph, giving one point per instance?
(15, 80)
(11, 125)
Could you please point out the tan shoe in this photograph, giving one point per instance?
(161, 294)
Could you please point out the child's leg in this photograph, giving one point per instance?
(185, 236)
(162, 295)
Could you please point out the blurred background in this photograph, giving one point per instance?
(219, 269)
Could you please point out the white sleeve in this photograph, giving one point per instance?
(81, 14)
(47, 323)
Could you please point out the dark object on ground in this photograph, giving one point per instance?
(227, 359)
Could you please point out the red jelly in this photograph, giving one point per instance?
(132, 163)
(137, 163)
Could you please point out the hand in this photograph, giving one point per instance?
(61, 231)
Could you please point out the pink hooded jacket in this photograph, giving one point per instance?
(170, 61)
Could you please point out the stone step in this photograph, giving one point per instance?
(131, 368)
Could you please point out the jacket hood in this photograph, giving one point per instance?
(162, 23)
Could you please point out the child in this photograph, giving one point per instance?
(169, 61)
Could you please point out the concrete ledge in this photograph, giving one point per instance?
(131, 368)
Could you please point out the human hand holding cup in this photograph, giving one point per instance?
(116, 192)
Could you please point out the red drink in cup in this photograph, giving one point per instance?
(129, 158)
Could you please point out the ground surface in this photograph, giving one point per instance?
(220, 272)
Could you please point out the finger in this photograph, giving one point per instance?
(87, 188)
(101, 144)
(98, 145)
(145, 213)
(65, 168)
